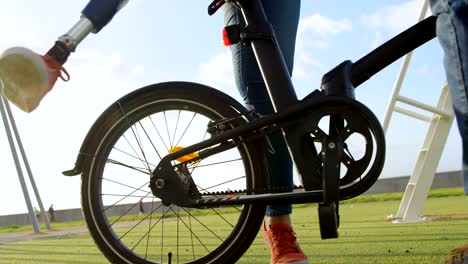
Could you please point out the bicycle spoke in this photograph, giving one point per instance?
(226, 182)
(159, 134)
(119, 183)
(136, 138)
(222, 217)
(191, 236)
(133, 145)
(111, 161)
(151, 141)
(199, 161)
(175, 130)
(186, 128)
(147, 233)
(201, 223)
(130, 155)
(126, 212)
(167, 128)
(136, 153)
(134, 226)
(119, 195)
(217, 163)
(191, 232)
(139, 189)
(149, 225)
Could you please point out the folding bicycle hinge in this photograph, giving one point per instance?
(337, 81)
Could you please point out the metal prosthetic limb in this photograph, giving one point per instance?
(95, 16)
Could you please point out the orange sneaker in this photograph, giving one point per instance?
(27, 77)
(458, 255)
(283, 245)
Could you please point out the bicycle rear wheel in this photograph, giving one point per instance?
(130, 139)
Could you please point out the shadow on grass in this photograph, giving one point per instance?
(48, 260)
(48, 250)
(46, 254)
(46, 246)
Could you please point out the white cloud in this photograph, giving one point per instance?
(378, 39)
(394, 18)
(423, 69)
(315, 32)
(323, 26)
(218, 73)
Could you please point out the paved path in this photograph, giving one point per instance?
(30, 235)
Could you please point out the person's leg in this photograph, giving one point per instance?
(284, 17)
(452, 31)
(251, 86)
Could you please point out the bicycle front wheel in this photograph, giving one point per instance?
(130, 139)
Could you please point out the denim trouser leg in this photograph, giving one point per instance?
(284, 16)
(452, 31)
(101, 12)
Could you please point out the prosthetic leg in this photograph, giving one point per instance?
(26, 77)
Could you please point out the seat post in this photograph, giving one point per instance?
(269, 57)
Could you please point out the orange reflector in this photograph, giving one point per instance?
(183, 158)
(226, 40)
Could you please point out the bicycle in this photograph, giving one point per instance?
(120, 154)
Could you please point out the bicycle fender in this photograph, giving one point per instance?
(106, 117)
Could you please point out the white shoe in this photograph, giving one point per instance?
(27, 77)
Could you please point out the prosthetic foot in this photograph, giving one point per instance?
(27, 77)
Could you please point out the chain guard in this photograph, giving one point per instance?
(357, 119)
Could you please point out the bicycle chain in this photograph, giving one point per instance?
(277, 189)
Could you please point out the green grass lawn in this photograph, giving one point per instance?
(365, 236)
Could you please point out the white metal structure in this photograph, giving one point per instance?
(420, 181)
(10, 125)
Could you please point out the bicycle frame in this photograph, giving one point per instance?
(340, 81)
(230, 126)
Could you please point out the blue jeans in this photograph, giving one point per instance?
(284, 16)
(452, 31)
(101, 12)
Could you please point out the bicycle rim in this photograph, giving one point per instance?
(118, 178)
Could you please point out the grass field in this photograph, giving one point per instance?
(365, 236)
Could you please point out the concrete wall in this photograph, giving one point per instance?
(69, 215)
(388, 185)
(398, 184)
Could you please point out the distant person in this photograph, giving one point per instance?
(140, 204)
(37, 212)
(51, 213)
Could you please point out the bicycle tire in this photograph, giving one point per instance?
(127, 115)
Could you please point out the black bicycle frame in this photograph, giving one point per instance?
(274, 70)
(339, 81)
(278, 81)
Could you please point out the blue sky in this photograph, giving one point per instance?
(155, 41)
